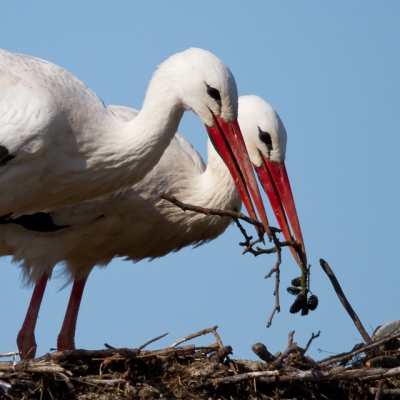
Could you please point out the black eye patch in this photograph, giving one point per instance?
(265, 137)
(214, 93)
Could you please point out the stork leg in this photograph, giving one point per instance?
(66, 338)
(26, 337)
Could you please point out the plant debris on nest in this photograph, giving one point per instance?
(189, 372)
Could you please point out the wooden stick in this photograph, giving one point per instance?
(327, 269)
(350, 354)
(152, 341)
(331, 374)
(30, 366)
(10, 354)
(211, 211)
(311, 339)
(277, 307)
(193, 335)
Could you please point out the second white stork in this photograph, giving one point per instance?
(137, 224)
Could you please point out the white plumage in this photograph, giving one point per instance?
(60, 144)
(136, 223)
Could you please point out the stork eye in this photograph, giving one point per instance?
(214, 93)
(265, 137)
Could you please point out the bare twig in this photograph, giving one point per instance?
(277, 307)
(10, 354)
(361, 349)
(211, 211)
(235, 378)
(327, 269)
(334, 374)
(31, 366)
(311, 339)
(152, 341)
(193, 335)
(248, 244)
(379, 390)
(247, 238)
(215, 333)
(292, 348)
(92, 354)
(386, 392)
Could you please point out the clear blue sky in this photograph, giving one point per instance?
(331, 70)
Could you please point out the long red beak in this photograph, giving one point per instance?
(228, 141)
(275, 181)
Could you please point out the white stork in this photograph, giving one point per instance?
(137, 224)
(61, 145)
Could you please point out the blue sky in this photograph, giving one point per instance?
(331, 70)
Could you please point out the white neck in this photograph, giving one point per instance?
(215, 188)
(136, 146)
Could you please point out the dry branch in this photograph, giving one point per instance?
(211, 211)
(193, 335)
(248, 244)
(336, 374)
(343, 299)
(347, 356)
(32, 366)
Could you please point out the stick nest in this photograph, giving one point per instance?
(186, 372)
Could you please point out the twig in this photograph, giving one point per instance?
(106, 382)
(334, 374)
(193, 335)
(327, 269)
(31, 366)
(235, 378)
(152, 341)
(291, 348)
(311, 339)
(274, 249)
(189, 348)
(10, 354)
(92, 354)
(211, 211)
(386, 392)
(277, 307)
(244, 233)
(219, 341)
(248, 244)
(379, 389)
(362, 349)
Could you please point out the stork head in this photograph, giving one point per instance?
(265, 138)
(202, 83)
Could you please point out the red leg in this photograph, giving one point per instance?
(66, 338)
(26, 337)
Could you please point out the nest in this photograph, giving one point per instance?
(190, 372)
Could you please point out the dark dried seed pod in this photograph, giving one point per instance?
(296, 281)
(299, 303)
(293, 290)
(313, 302)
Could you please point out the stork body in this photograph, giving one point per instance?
(61, 145)
(136, 223)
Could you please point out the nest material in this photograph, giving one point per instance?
(186, 372)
